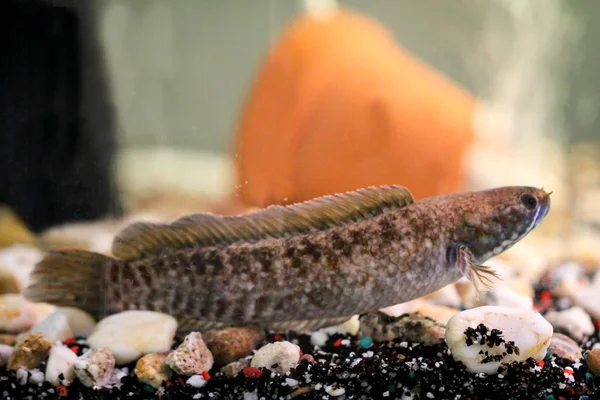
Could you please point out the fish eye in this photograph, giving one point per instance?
(529, 201)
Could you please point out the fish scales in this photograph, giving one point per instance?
(359, 265)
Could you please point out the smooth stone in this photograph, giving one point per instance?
(95, 368)
(130, 334)
(593, 361)
(5, 353)
(439, 313)
(60, 361)
(230, 344)
(567, 279)
(16, 313)
(502, 295)
(349, 327)
(16, 264)
(196, 381)
(565, 347)
(151, 370)
(529, 331)
(280, 357)
(192, 357)
(37, 377)
(30, 350)
(55, 327)
(573, 321)
(588, 298)
(81, 323)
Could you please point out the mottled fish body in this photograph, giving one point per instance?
(297, 267)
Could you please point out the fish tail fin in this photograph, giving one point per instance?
(70, 278)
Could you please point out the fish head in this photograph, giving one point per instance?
(494, 220)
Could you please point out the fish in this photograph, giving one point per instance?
(302, 266)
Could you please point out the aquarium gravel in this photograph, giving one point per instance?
(347, 367)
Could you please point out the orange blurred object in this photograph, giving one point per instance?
(338, 105)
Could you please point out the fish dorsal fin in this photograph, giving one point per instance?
(205, 229)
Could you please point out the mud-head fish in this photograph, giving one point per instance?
(301, 266)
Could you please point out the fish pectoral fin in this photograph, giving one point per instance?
(461, 257)
(206, 229)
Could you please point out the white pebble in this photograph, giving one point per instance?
(36, 377)
(81, 323)
(575, 321)
(291, 382)
(529, 331)
(131, 334)
(250, 396)
(22, 376)
(5, 353)
(319, 338)
(55, 327)
(60, 361)
(196, 381)
(502, 295)
(333, 391)
(285, 354)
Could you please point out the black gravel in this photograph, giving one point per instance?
(345, 370)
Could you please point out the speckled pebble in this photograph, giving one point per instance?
(95, 368)
(279, 357)
(151, 370)
(30, 350)
(565, 347)
(191, 357)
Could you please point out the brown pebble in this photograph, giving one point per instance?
(230, 344)
(8, 339)
(30, 350)
(593, 361)
(564, 347)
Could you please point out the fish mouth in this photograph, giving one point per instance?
(543, 209)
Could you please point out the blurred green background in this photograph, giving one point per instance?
(180, 69)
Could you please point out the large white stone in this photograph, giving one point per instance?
(131, 334)
(16, 313)
(60, 361)
(529, 331)
(16, 263)
(55, 327)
